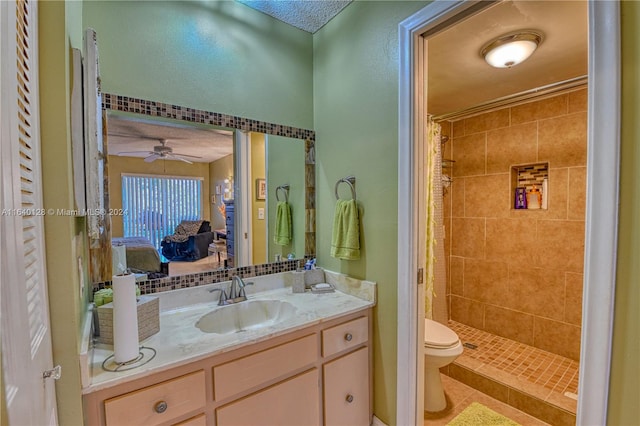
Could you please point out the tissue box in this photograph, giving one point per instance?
(148, 319)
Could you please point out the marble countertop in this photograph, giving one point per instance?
(180, 342)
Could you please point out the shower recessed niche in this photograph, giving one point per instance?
(531, 177)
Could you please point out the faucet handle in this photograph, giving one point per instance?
(242, 286)
(223, 296)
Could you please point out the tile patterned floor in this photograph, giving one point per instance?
(542, 374)
(460, 396)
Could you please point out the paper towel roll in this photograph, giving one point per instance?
(118, 259)
(125, 318)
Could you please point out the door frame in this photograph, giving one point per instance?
(601, 228)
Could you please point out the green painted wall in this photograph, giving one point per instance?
(625, 369)
(285, 158)
(60, 30)
(215, 55)
(356, 123)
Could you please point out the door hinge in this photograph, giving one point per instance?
(55, 373)
(420, 275)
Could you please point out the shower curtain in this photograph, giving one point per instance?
(435, 297)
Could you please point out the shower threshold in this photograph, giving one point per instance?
(537, 382)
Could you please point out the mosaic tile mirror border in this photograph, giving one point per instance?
(160, 109)
(210, 277)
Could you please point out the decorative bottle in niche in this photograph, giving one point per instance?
(534, 198)
(520, 198)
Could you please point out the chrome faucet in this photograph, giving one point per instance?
(236, 290)
(235, 294)
(224, 300)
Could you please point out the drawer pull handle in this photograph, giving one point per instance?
(348, 337)
(160, 407)
(349, 398)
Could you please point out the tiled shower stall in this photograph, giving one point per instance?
(517, 273)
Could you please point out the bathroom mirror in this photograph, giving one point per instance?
(237, 165)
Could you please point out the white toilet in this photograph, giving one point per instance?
(441, 347)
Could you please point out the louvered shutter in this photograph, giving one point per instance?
(26, 339)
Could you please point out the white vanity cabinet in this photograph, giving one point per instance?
(318, 375)
(294, 402)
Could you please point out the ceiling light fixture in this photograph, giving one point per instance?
(510, 49)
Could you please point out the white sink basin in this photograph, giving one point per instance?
(243, 316)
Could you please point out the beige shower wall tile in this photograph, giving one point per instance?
(469, 153)
(563, 140)
(512, 145)
(457, 197)
(487, 121)
(467, 238)
(511, 240)
(486, 281)
(447, 237)
(446, 203)
(557, 337)
(445, 127)
(545, 108)
(457, 128)
(557, 197)
(577, 196)
(578, 100)
(448, 275)
(456, 272)
(560, 245)
(466, 311)
(507, 323)
(573, 298)
(537, 291)
(487, 196)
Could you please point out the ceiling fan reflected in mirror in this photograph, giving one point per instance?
(161, 151)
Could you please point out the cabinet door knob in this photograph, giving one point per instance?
(348, 337)
(160, 407)
(349, 398)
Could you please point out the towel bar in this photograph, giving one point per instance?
(285, 189)
(349, 180)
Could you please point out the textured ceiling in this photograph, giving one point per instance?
(308, 15)
(126, 135)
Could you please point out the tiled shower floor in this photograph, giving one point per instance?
(547, 377)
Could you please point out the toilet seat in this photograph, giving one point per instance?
(439, 336)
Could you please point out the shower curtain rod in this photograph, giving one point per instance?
(515, 99)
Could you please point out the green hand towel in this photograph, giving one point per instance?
(345, 240)
(283, 232)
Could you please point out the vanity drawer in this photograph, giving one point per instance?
(345, 336)
(253, 370)
(158, 403)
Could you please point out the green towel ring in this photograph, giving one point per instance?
(349, 180)
(285, 189)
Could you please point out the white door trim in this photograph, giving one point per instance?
(601, 220)
(242, 200)
(601, 230)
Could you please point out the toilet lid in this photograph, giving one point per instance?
(438, 336)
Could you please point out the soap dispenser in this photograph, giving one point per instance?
(534, 198)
